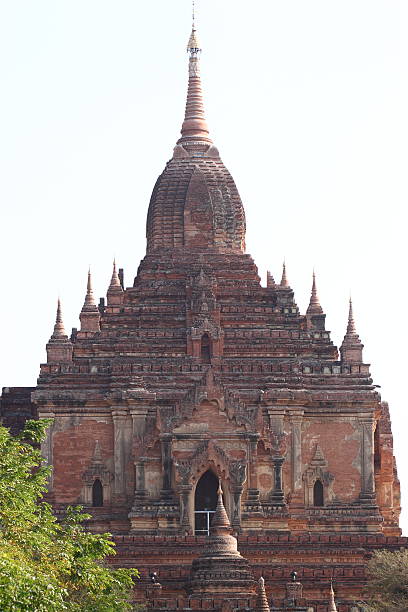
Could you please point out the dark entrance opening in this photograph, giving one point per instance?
(97, 493)
(318, 498)
(206, 349)
(205, 502)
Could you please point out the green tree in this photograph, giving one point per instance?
(45, 564)
(388, 582)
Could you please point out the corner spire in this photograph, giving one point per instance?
(221, 523)
(115, 290)
(194, 131)
(59, 347)
(351, 349)
(332, 604)
(262, 604)
(284, 280)
(90, 315)
(59, 329)
(214, 573)
(314, 307)
(89, 303)
(115, 281)
(351, 326)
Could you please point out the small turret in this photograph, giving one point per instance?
(220, 524)
(262, 604)
(59, 347)
(314, 313)
(332, 604)
(351, 349)
(115, 292)
(284, 280)
(220, 572)
(89, 316)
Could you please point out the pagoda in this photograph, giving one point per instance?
(198, 374)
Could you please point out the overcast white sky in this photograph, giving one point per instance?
(307, 101)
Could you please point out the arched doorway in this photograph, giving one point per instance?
(97, 493)
(318, 497)
(205, 502)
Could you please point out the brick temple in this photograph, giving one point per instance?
(210, 426)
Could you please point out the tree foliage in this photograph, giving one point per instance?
(45, 564)
(388, 581)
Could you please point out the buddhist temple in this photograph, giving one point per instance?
(239, 458)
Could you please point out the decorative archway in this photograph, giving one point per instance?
(205, 502)
(97, 473)
(318, 481)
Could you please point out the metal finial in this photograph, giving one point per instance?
(193, 46)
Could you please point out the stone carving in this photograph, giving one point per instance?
(238, 472)
(203, 287)
(205, 453)
(184, 471)
(204, 325)
(166, 418)
(278, 443)
(145, 439)
(186, 467)
(209, 389)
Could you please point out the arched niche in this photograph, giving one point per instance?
(318, 493)
(97, 493)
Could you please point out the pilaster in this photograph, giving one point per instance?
(119, 424)
(367, 426)
(167, 463)
(47, 446)
(296, 419)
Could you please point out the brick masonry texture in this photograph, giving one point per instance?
(199, 367)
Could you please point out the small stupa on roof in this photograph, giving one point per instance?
(221, 571)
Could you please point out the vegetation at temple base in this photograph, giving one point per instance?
(388, 582)
(48, 565)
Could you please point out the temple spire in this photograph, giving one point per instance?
(59, 347)
(332, 603)
(115, 281)
(351, 349)
(115, 290)
(59, 329)
(262, 604)
(194, 131)
(351, 326)
(89, 303)
(90, 315)
(221, 523)
(214, 573)
(284, 280)
(314, 307)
